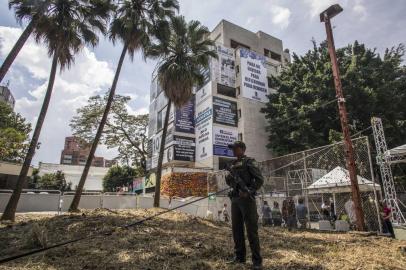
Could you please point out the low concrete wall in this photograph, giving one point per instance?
(32, 202)
(119, 201)
(86, 202)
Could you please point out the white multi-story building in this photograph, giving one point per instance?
(226, 108)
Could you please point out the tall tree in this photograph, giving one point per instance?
(119, 176)
(183, 54)
(14, 133)
(29, 10)
(135, 24)
(125, 131)
(302, 114)
(66, 28)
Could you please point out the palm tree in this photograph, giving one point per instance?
(135, 24)
(66, 28)
(184, 53)
(29, 10)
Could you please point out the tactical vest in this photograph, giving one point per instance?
(241, 168)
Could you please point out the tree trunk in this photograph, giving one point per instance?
(161, 157)
(16, 48)
(9, 212)
(75, 202)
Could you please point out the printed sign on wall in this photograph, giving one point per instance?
(223, 68)
(254, 84)
(204, 121)
(222, 138)
(203, 93)
(184, 148)
(185, 117)
(225, 112)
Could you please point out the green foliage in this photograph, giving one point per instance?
(119, 176)
(65, 26)
(303, 113)
(54, 181)
(14, 132)
(183, 52)
(136, 22)
(123, 130)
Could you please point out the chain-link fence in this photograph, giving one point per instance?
(319, 176)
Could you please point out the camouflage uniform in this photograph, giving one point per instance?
(244, 209)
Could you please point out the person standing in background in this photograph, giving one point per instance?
(276, 215)
(266, 214)
(301, 213)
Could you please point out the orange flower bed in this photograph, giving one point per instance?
(184, 184)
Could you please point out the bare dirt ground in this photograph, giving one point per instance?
(179, 241)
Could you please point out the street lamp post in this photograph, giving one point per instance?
(325, 17)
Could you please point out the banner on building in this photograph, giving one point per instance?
(225, 112)
(204, 120)
(184, 148)
(203, 93)
(223, 68)
(222, 138)
(254, 82)
(185, 117)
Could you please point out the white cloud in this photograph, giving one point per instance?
(360, 9)
(317, 6)
(88, 76)
(280, 16)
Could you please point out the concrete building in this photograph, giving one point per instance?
(94, 180)
(9, 173)
(6, 96)
(226, 108)
(74, 153)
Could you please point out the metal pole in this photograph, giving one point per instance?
(373, 186)
(305, 189)
(349, 151)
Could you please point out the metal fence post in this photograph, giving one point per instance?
(374, 187)
(304, 190)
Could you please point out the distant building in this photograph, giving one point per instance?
(9, 173)
(94, 180)
(74, 153)
(6, 96)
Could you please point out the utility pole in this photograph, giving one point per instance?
(325, 17)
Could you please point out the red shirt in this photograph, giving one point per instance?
(387, 211)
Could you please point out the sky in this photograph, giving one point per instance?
(377, 23)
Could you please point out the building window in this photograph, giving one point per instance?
(273, 55)
(226, 90)
(269, 82)
(235, 45)
(240, 137)
(239, 113)
(238, 91)
(159, 121)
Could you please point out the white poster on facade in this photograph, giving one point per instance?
(204, 137)
(223, 68)
(203, 93)
(222, 138)
(254, 82)
(156, 143)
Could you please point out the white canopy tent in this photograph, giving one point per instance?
(396, 155)
(338, 181)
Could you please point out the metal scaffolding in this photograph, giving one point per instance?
(384, 160)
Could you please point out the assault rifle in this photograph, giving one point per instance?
(237, 183)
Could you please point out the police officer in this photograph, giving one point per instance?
(243, 204)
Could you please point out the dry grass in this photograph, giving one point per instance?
(178, 241)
